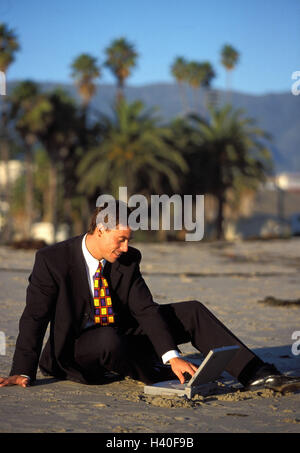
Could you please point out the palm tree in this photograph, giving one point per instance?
(208, 76)
(133, 152)
(179, 70)
(200, 74)
(194, 79)
(8, 47)
(229, 59)
(58, 133)
(24, 98)
(84, 72)
(120, 59)
(230, 152)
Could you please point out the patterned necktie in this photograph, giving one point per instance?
(103, 311)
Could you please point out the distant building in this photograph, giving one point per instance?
(288, 181)
(273, 211)
(10, 174)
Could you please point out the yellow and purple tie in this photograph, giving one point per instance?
(103, 312)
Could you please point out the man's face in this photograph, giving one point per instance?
(112, 243)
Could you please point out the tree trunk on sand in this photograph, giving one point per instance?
(7, 232)
(28, 191)
(220, 216)
(52, 207)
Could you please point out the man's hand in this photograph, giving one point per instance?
(180, 366)
(14, 380)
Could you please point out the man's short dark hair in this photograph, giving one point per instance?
(114, 212)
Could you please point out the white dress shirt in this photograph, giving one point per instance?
(92, 264)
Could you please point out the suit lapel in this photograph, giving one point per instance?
(113, 274)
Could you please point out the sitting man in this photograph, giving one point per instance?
(103, 318)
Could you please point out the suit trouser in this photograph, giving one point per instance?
(105, 348)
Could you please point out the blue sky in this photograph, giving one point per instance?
(265, 32)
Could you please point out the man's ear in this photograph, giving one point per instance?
(100, 229)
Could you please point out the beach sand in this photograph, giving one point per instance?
(232, 280)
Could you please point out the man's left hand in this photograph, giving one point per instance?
(180, 366)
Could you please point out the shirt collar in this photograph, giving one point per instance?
(90, 260)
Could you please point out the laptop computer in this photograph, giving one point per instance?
(203, 380)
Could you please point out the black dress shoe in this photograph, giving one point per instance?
(263, 371)
(278, 382)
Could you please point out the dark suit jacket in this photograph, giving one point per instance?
(59, 293)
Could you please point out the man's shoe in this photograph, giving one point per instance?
(277, 382)
(257, 379)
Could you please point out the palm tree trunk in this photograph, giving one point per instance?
(68, 217)
(185, 107)
(28, 191)
(220, 215)
(53, 198)
(6, 234)
(228, 86)
(84, 115)
(120, 91)
(196, 103)
(46, 200)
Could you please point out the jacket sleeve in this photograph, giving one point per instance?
(147, 313)
(40, 305)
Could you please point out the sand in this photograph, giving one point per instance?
(235, 281)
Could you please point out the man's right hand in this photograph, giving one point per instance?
(22, 381)
(180, 366)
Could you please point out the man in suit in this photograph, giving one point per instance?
(142, 338)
